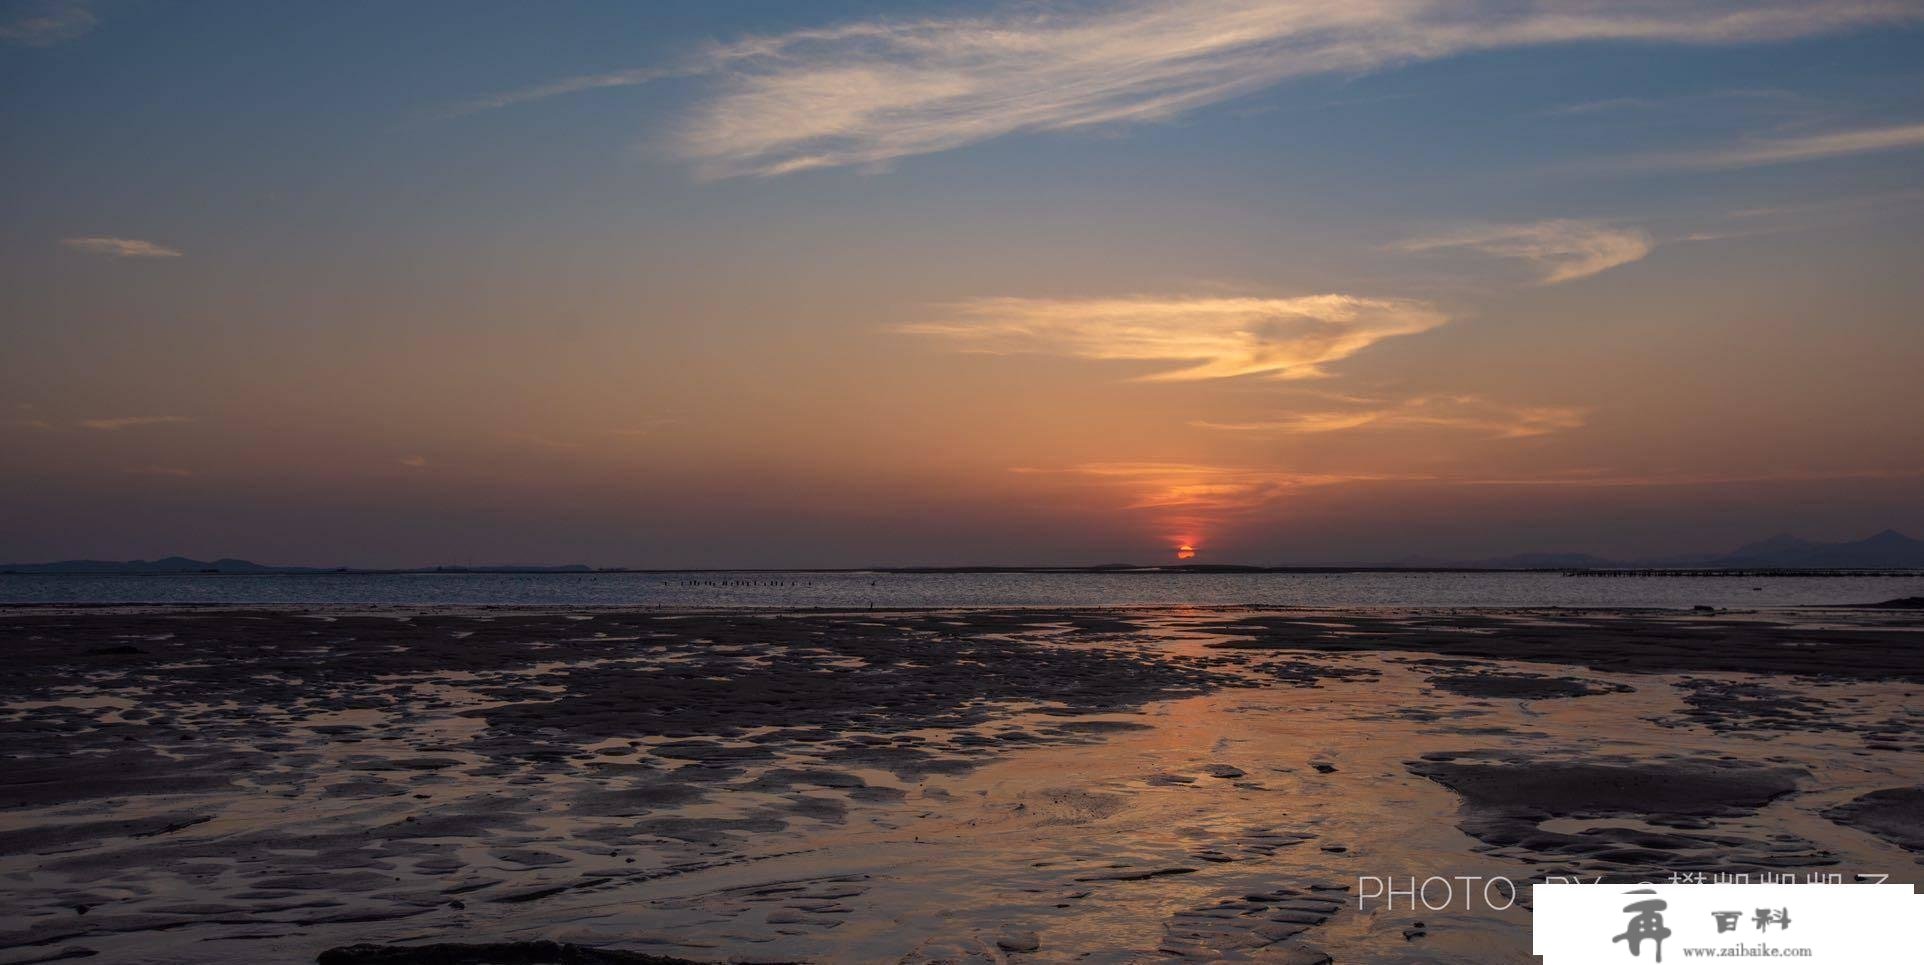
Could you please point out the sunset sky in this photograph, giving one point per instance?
(729, 283)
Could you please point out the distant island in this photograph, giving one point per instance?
(1888, 550)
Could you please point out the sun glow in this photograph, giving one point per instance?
(1186, 551)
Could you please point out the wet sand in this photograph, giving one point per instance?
(1126, 785)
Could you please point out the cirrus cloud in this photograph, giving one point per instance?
(131, 421)
(1211, 338)
(1561, 249)
(1759, 152)
(870, 92)
(119, 247)
(1468, 413)
(44, 23)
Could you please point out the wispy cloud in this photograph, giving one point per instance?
(1216, 488)
(131, 421)
(1194, 487)
(570, 85)
(43, 23)
(1737, 98)
(1466, 413)
(120, 247)
(172, 472)
(1786, 150)
(646, 427)
(1606, 479)
(867, 93)
(1882, 200)
(541, 442)
(1561, 249)
(1191, 500)
(1212, 338)
(414, 462)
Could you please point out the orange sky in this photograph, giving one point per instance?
(1073, 299)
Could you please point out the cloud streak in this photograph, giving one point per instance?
(119, 247)
(870, 92)
(1790, 150)
(130, 422)
(1466, 413)
(569, 85)
(1191, 500)
(1211, 338)
(1561, 249)
(1603, 479)
(48, 22)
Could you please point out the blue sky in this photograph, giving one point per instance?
(906, 281)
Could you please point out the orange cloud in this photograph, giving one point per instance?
(1212, 338)
(1189, 500)
(1466, 413)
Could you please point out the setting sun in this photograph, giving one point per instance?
(1186, 552)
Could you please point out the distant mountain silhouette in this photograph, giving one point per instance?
(1889, 548)
(1780, 545)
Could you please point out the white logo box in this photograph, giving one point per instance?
(1594, 924)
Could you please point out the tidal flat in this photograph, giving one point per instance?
(1103, 785)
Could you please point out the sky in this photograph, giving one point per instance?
(755, 283)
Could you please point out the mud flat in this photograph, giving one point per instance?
(621, 785)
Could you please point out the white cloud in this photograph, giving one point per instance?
(119, 247)
(44, 23)
(869, 92)
(131, 421)
(1466, 413)
(1211, 338)
(1562, 249)
(1809, 147)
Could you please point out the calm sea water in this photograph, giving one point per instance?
(961, 589)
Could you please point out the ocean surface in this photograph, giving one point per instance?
(772, 589)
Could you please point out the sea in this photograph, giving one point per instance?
(882, 590)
